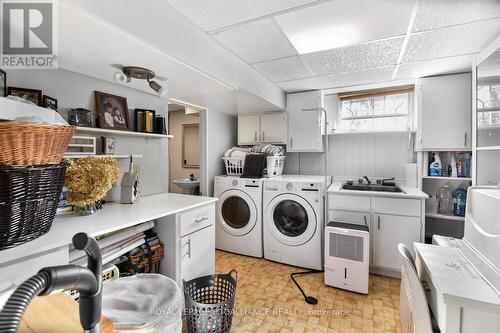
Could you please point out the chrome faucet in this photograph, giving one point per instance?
(367, 180)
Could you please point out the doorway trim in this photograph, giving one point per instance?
(203, 145)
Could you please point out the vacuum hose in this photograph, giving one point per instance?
(13, 310)
(86, 280)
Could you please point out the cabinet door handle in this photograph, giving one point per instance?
(378, 223)
(255, 137)
(366, 223)
(201, 219)
(188, 243)
(263, 136)
(291, 142)
(465, 139)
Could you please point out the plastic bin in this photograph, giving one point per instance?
(143, 303)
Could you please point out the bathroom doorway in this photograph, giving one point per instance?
(185, 149)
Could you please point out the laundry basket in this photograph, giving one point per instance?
(143, 303)
(275, 165)
(234, 165)
(210, 302)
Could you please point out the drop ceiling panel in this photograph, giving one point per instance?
(257, 41)
(215, 14)
(451, 41)
(284, 69)
(341, 23)
(434, 14)
(355, 57)
(432, 67)
(340, 79)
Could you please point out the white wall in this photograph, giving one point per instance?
(74, 90)
(176, 119)
(377, 155)
(221, 132)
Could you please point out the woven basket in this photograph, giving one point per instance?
(33, 144)
(142, 262)
(28, 202)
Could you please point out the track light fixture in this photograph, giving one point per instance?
(133, 72)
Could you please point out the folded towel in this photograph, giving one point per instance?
(268, 149)
(254, 166)
(237, 152)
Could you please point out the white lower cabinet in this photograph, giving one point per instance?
(391, 221)
(387, 232)
(189, 239)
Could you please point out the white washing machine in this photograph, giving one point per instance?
(293, 220)
(238, 225)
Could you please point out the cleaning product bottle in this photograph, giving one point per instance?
(459, 201)
(436, 167)
(460, 166)
(445, 200)
(453, 164)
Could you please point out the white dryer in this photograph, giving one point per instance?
(239, 215)
(293, 220)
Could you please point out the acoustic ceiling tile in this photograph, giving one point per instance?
(435, 14)
(452, 41)
(216, 14)
(366, 76)
(284, 69)
(355, 57)
(432, 67)
(257, 41)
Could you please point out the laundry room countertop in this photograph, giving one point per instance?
(408, 193)
(113, 217)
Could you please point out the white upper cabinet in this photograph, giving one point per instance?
(445, 104)
(305, 126)
(273, 127)
(262, 128)
(248, 129)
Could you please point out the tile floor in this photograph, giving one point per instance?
(268, 301)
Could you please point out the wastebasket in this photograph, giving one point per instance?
(210, 302)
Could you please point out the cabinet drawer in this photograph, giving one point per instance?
(408, 207)
(196, 219)
(349, 202)
(349, 217)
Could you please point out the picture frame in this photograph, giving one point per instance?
(3, 83)
(145, 120)
(108, 145)
(32, 95)
(49, 102)
(111, 111)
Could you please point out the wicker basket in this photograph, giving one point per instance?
(33, 144)
(28, 202)
(146, 259)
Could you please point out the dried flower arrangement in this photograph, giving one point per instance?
(90, 178)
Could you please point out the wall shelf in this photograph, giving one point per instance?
(445, 217)
(122, 133)
(87, 155)
(448, 178)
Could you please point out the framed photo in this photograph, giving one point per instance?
(108, 145)
(32, 95)
(3, 83)
(49, 102)
(145, 120)
(112, 111)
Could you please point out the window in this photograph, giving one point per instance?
(388, 110)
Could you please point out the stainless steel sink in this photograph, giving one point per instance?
(372, 187)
